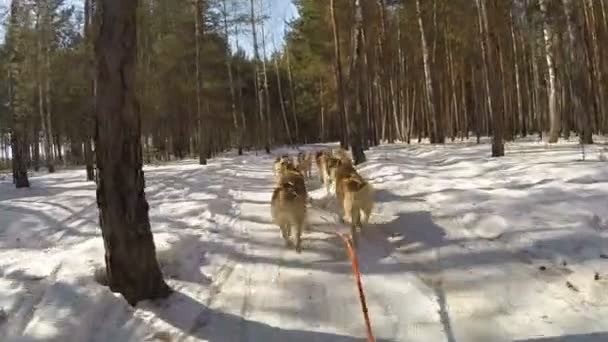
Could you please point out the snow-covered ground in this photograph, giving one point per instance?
(461, 247)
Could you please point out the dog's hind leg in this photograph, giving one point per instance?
(356, 217)
(355, 223)
(367, 212)
(326, 182)
(299, 238)
(285, 232)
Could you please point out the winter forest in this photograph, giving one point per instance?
(380, 170)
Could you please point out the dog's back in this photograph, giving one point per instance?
(289, 200)
(355, 195)
(358, 196)
(288, 205)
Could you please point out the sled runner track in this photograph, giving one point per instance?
(36, 288)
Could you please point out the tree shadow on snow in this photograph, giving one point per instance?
(199, 321)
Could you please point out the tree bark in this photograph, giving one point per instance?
(240, 97)
(436, 131)
(258, 80)
(292, 96)
(281, 101)
(355, 86)
(520, 111)
(16, 98)
(89, 75)
(548, 43)
(235, 120)
(202, 159)
(131, 265)
(576, 83)
(266, 90)
(497, 121)
(48, 127)
(341, 105)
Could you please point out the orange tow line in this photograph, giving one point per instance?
(352, 254)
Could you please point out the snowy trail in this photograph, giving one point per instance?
(461, 247)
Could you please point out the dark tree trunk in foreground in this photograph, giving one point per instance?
(355, 84)
(16, 98)
(131, 265)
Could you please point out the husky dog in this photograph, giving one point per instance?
(280, 164)
(355, 196)
(304, 163)
(341, 154)
(327, 167)
(319, 155)
(288, 206)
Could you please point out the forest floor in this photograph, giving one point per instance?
(461, 247)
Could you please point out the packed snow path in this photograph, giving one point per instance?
(461, 247)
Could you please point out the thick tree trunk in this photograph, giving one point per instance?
(497, 120)
(16, 98)
(46, 31)
(548, 43)
(355, 86)
(131, 265)
(576, 83)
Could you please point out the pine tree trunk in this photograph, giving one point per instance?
(355, 86)
(520, 114)
(240, 96)
(436, 135)
(46, 32)
(235, 120)
(292, 95)
(258, 81)
(89, 75)
(593, 61)
(576, 83)
(266, 91)
(548, 42)
(282, 102)
(16, 97)
(322, 107)
(497, 121)
(341, 105)
(131, 265)
(202, 159)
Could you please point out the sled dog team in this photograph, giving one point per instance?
(336, 171)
